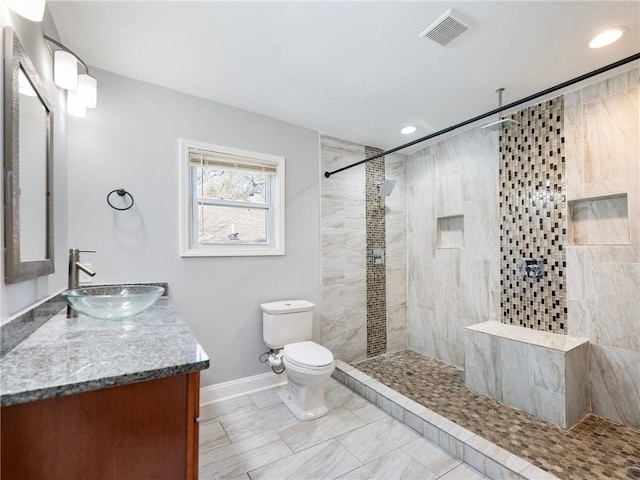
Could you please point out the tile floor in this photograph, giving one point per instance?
(595, 449)
(256, 437)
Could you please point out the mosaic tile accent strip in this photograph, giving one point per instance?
(595, 449)
(533, 217)
(376, 240)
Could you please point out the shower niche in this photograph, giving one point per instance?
(602, 220)
(450, 232)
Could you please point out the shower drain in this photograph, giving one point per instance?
(633, 472)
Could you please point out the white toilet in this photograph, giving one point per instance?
(287, 325)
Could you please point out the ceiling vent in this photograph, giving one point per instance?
(446, 28)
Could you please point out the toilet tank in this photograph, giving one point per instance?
(285, 322)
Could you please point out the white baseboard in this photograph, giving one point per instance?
(242, 386)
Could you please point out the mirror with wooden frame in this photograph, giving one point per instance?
(28, 167)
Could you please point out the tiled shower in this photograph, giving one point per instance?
(455, 199)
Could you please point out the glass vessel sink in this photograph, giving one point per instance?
(113, 302)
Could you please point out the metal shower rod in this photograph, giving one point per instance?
(493, 112)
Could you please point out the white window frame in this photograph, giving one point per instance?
(275, 225)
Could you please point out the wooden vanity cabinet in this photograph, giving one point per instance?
(139, 431)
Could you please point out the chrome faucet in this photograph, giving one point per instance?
(74, 267)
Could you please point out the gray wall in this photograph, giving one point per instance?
(131, 140)
(19, 296)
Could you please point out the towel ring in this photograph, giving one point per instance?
(121, 192)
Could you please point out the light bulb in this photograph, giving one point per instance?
(65, 70)
(408, 130)
(88, 90)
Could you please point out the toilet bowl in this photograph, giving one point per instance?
(308, 366)
(287, 331)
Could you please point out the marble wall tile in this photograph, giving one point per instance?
(397, 328)
(396, 287)
(354, 214)
(332, 214)
(614, 304)
(421, 330)
(548, 405)
(579, 223)
(580, 318)
(610, 86)
(449, 195)
(547, 369)
(600, 221)
(577, 387)
(514, 374)
(450, 353)
(450, 232)
(344, 249)
(480, 219)
(396, 250)
(456, 176)
(481, 381)
(574, 145)
(610, 126)
(615, 390)
(474, 290)
(609, 221)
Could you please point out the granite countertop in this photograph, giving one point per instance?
(66, 356)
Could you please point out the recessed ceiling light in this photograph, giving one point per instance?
(408, 130)
(607, 37)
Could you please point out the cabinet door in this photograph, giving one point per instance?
(193, 427)
(136, 431)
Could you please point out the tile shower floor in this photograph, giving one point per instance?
(256, 437)
(593, 449)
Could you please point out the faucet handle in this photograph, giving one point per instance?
(85, 251)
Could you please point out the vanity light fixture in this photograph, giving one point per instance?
(408, 130)
(30, 9)
(607, 37)
(82, 88)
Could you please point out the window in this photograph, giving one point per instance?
(232, 201)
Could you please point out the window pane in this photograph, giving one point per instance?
(231, 185)
(232, 225)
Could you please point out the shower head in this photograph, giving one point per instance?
(385, 188)
(501, 122)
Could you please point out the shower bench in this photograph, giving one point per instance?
(544, 374)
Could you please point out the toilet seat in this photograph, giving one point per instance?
(308, 355)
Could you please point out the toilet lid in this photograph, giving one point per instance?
(308, 353)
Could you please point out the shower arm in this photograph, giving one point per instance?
(542, 93)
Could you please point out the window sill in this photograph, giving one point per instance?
(233, 251)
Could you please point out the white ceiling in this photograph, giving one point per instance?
(354, 69)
